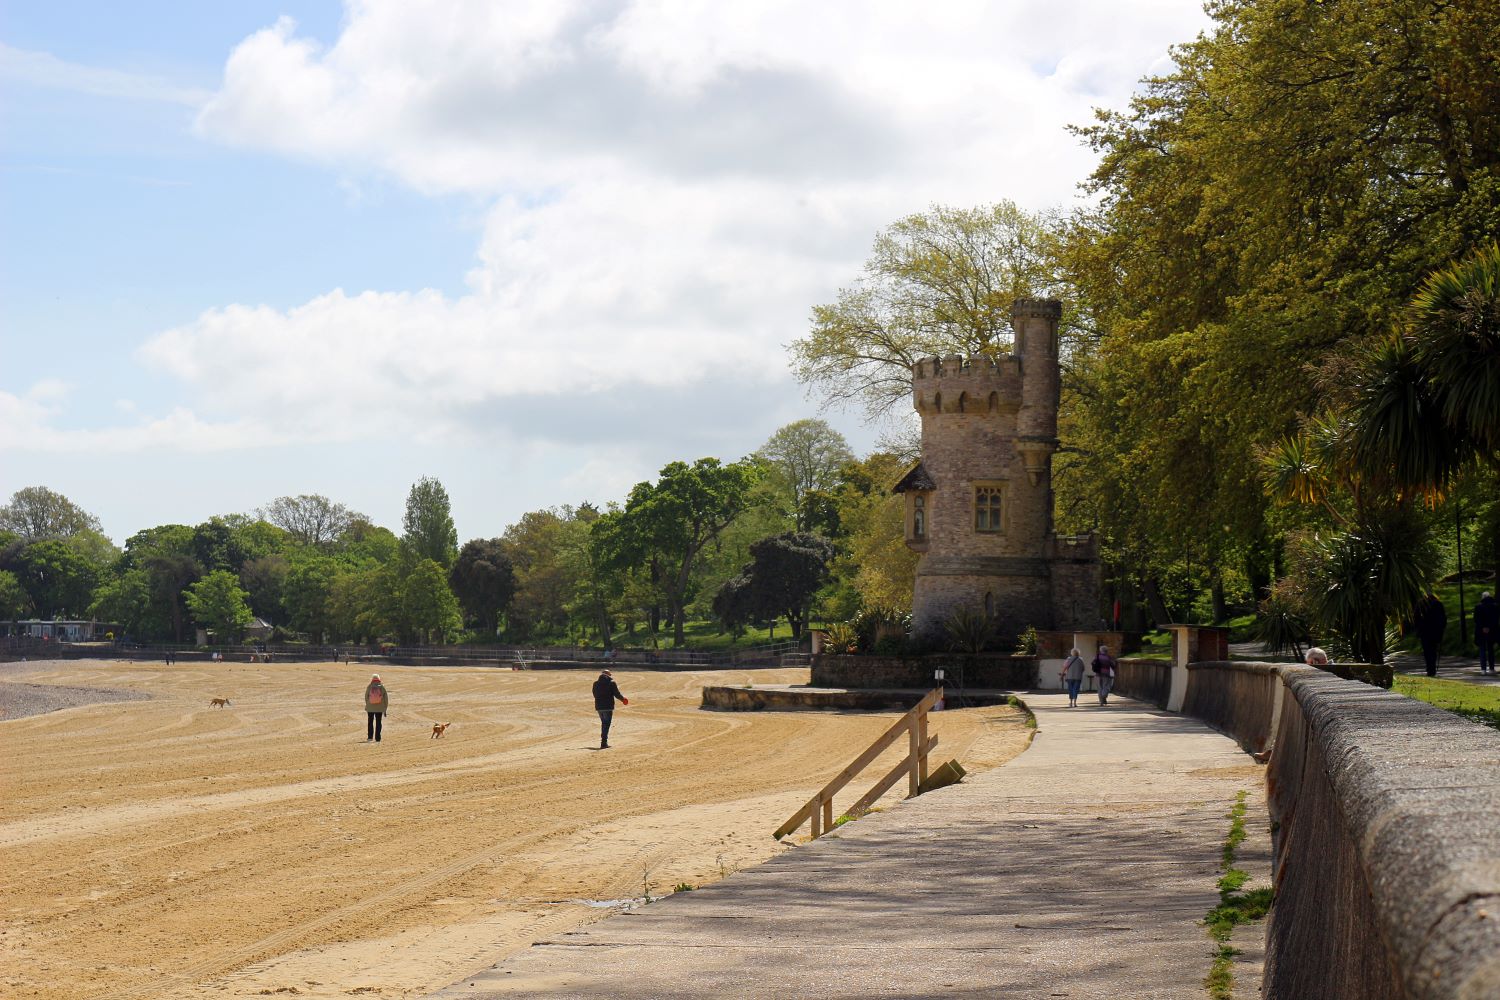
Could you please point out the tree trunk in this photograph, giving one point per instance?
(1154, 603)
(1216, 592)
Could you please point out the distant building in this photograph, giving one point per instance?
(62, 631)
(979, 503)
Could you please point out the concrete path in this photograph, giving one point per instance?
(1081, 869)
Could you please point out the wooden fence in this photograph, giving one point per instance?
(819, 808)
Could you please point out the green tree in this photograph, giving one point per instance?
(784, 574)
(938, 283)
(427, 527)
(58, 580)
(125, 600)
(484, 581)
(667, 524)
(217, 602)
(36, 512)
(307, 594)
(874, 568)
(804, 459)
(14, 601)
(545, 583)
(428, 608)
(264, 579)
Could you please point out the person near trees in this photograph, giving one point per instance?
(1106, 667)
(1072, 676)
(1431, 620)
(377, 703)
(1486, 631)
(606, 691)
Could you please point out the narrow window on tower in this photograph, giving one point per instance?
(988, 508)
(919, 517)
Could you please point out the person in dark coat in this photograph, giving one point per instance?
(1431, 620)
(1486, 631)
(605, 693)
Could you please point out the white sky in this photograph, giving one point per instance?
(536, 249)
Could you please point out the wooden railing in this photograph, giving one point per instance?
(819, 808)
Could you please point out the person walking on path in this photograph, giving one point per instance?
(1486, 631)
(1431, 620)
(605, 693)
(377, 703)
(1072, 676)
(1104, 666)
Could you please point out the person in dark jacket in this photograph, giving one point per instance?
(605, 693)
(1486, 631)
(377, 703)
(1430, 619)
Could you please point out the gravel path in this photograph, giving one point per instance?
(19, 699)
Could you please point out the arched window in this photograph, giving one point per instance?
(937, 402)
(919, 517)
(989, 604)
(994, 401)
(963, 402)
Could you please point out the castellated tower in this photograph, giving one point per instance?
(979, 503)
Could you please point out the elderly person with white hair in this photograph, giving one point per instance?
(1316, 657)
(1072, 676)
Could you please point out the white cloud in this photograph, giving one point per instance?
(43, 69)
(670, 187)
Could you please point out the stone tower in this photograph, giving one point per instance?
(979, 503)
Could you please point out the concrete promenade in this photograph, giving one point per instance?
(1081, 869)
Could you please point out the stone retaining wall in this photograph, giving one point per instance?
(1144, 680)
(1386, 816)
(1016, 673)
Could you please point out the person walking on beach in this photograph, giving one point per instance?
(605, 693)
(377, 703)
(1431, 620)
(1486, 631)
(1104, 666)
(1072, 676)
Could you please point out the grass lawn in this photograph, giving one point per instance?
(1478, 702)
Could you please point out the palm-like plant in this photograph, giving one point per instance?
(1427, 400)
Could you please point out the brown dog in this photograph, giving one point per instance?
(218, 702)
(439, 728)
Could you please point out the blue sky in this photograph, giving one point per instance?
(535, 249)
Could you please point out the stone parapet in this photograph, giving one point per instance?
(986, 670)
(1384, 810)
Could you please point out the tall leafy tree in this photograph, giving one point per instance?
(428, 608)
(310, 518)
(938, 283)
(427, 527)
(804, 459)
(484, 581)
(784, 574)
(14, 601)
(307, 593)
(36, 512)
(217, 602)
(58, 580)
(667, 524)
(125, 600)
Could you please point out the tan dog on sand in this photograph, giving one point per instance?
(218, 702)
(439, 728)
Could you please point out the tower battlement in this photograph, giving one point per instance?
(967, 385)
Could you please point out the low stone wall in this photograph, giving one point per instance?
(1144, 680)
(738, 699)
(1002, 671)
(1237, 699)
(1384, 811)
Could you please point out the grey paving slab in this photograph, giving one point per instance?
(1081, 869)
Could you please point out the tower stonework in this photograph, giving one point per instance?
(979, 503)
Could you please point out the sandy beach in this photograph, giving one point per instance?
(163, 848)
